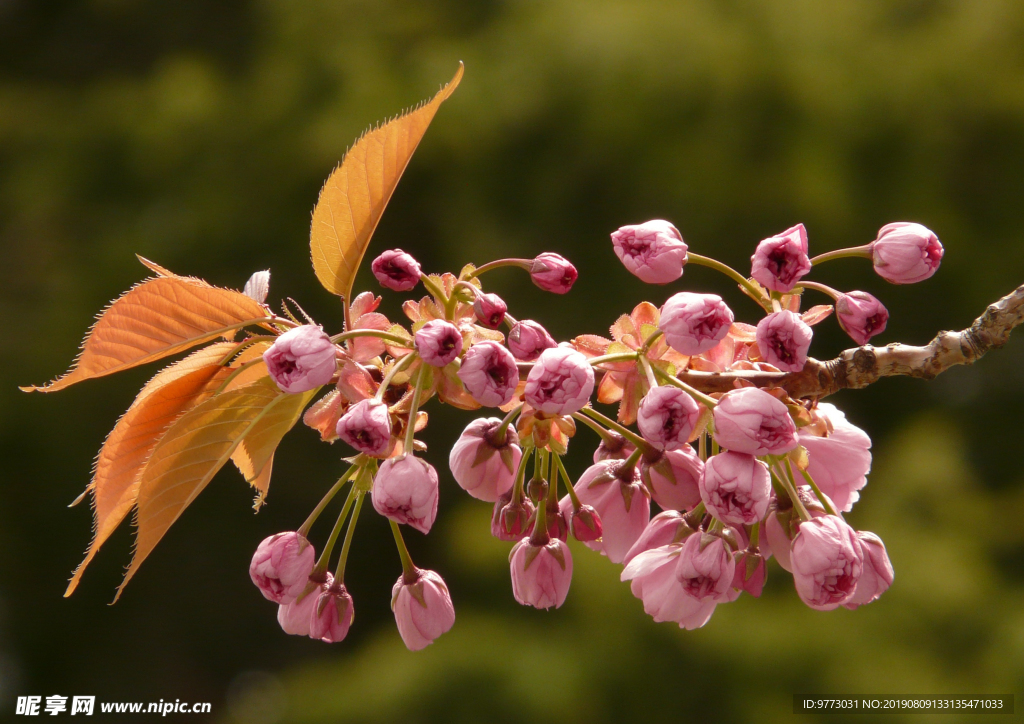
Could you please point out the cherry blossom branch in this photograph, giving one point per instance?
(861, 366)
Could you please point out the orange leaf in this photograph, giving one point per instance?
(255, 452)
(115, 483)
(154, 319)
(190, 453)
(355, 195)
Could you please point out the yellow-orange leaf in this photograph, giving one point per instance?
(115, 483)
(154, 319)
(190, 454)
(255, 452)
(355, 195)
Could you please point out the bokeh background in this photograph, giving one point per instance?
(198, 133)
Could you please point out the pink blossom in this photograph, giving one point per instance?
(735, 487)
(780, 261)
(586, 524)
(281, 566)
(438, 342)
(653, 251)
(489, 373)
(652, 576)
(423, 609)
(784, 338)
(553, 273)
(751, 573)
(749, 420)
(706, 567)
(861, 316)
(301, 359)
(621, 500)
(366, 426)
(527, 339)
(827, 562)
(332, 615)
(613, 447)
(666, 527)
(780, 526)
(666, 417)
(673, 478)
(483, 468)
(694, 323)
(489, 310)
(511, 519)
(905, 253)
(396, 270)
(560, 382)
(839, 462)
(541, 574)
(405, 491)
(295, 617)
(877, 575)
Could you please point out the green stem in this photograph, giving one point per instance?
(409, 571)
(499, 437)
(521, 263)
(410, 428)
(637, 441)
(755, 531)
(395, 369)
(517, 488)
(853, 251)
(434, 289)
(650, 341)
(304, 530)
(651, 381)
(692, 258)
(630, 462)
(702, 446)
(371, 333)
(618, 356)
(708, 402)
(815, 488)
(339, 576)
(794, 496)
(325, 556)
(694, 517)
(568, 483)
(824, 289)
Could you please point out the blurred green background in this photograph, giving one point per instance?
(198, 133)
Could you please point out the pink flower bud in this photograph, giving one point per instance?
(780, 261)
(438, 342)
(673, 478)
(666, 417)
(666, 527)
(751, 573)
(905, 253)
(489, 373)
(861, 316)
(396, 270)
(541, 574)
(749, 420)
(735, 488)
(620, 499)
(586, 524)
(332, 615)
(652, 576)
(511, 519)
(877, 575)
(706, 567)
(423, 609)
(780, 526)
(281, 566)
(784, 338)
(553, 273)
(301, 359)
(694, 323)
(527, 340)
(490, 310)
(560, 382)
(555, 520)
(827, 562)
(840, 462)
(366, 426)
(614, 447)
(295, 617)
(405, 491)
(483, 468)
(653, 251)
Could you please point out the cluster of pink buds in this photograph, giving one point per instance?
(739, 476)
